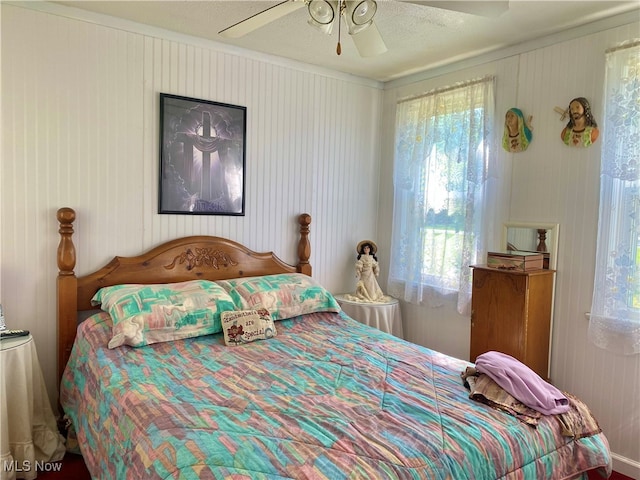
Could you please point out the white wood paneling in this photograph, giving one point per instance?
(80, 109)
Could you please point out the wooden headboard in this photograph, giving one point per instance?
(179, 260)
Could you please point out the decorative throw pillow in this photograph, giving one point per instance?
(247, 326)
(146, 314)
(284, 295)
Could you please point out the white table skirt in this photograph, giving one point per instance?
(29, 432)
(383, 316)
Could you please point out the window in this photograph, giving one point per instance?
(440, 172)
(631, 207)
(615, 310)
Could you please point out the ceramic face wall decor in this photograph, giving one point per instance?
(517, 131)
(582, 129)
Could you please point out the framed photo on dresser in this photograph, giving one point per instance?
(202, 157)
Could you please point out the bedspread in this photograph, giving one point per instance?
(327, 398)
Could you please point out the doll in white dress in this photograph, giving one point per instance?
(367, 269)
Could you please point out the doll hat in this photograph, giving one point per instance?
(374, 247)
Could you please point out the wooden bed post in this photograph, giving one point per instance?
(304, 247)
(67, 288)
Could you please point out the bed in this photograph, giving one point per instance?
(317, 396)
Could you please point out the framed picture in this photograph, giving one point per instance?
(202, 156)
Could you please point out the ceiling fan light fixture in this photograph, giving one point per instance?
(322, 12)
(359, 14)
(362, 12)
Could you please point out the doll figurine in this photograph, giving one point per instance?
(367, 269)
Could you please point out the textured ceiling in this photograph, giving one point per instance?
(417, 37)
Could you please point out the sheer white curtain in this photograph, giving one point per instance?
(442, 161)
(615, 310)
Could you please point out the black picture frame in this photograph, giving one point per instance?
(201, 172)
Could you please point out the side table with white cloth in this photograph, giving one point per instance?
(383, 316)
(29, 431)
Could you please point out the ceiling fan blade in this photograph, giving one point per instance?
(483, 8)
(369, 42)
(262, 18)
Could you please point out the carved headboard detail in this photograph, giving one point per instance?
(179, 260)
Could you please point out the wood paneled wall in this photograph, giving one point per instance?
(80, 121)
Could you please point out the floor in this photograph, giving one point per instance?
(73, 468)
(614, 476)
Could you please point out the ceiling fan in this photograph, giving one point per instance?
(358, 16)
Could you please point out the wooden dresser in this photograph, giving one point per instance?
(511, 313)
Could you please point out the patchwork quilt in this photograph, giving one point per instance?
(325, 398)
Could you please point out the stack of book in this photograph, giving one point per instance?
(515, 260)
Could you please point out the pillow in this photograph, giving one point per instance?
(284, 295)
(247, 326)
(146, 314)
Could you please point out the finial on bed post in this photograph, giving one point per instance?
(304, 247)
(67, 288)
(66, 249)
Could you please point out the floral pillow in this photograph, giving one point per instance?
(247, 326)
(284, 295)
(146, 314)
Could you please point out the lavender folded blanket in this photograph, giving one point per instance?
(522, 383)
